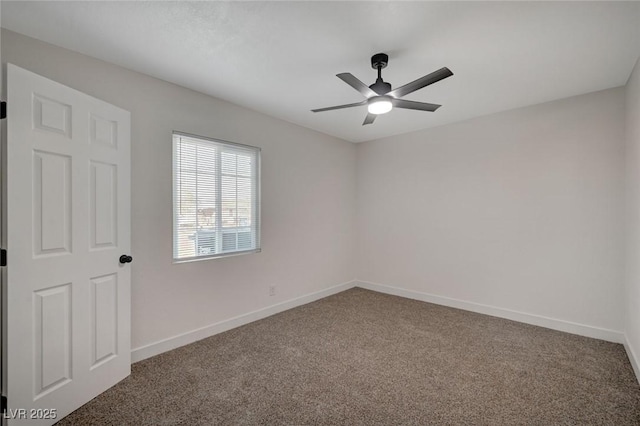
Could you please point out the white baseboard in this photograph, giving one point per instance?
(552, 323)
(635, 362)
(156, 348)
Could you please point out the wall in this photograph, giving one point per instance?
(517, 214)
(308, 189)
(632, 193)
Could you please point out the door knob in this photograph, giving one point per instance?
(125, 258)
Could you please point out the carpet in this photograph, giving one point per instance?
(366, 358)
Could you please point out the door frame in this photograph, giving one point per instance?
(3, 244)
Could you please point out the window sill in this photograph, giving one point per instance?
(215, 256)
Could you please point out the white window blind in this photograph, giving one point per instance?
(216, 198)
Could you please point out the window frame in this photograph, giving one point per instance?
(256, 183)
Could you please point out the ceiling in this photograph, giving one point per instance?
(281, 58)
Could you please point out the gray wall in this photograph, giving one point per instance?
(520, 210)
(308, 190)
(632, 192)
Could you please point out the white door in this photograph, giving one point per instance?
(68, 223)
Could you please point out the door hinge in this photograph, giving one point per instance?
(4, 404)
(3, 257)
(3, 110)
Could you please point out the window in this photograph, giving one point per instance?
(216, 198)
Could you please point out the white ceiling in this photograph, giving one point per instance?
(281, 58)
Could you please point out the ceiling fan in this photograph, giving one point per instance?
(380, 98)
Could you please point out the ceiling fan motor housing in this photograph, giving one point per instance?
(380, 87)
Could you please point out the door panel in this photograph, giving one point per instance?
(52, 336)
(104, 315)
(68, 220)
(103, 213)
(51, 203)
(51, 116)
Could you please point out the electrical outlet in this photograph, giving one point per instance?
(272, 290)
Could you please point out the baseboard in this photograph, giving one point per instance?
(156, 348)
(632, 358)
(552, 323)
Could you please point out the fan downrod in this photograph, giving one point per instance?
(378, 62)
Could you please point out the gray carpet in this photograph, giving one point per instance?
(364, 358)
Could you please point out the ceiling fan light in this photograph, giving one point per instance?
(379, 105)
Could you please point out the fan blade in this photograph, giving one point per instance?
(356, 84)
(369, 119)
(434, 77)
(339, 106)
(422, 106)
